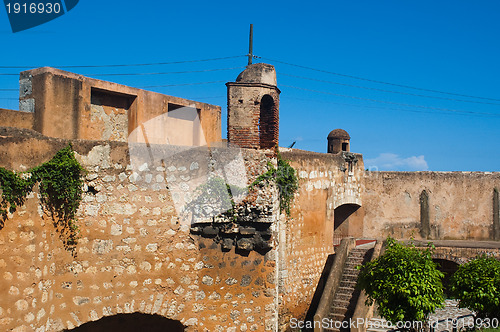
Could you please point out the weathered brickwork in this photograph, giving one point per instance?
(253, 108)
(135, 254)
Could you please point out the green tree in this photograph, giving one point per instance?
(476, 285)
(404, 281)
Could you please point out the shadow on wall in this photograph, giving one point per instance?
(135, 322)
(319, 289)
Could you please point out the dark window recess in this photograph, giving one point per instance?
(111, 99)
(182, 112)
(267, 123)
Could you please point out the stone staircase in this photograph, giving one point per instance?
(346, 297)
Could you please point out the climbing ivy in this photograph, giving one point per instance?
(14, 191)
(61, 191)
(60, 182)
(285, 179)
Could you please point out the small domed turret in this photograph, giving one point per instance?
(338, 140)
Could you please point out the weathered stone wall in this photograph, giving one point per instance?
(11, 118)
(136, 252)
(306, 238)
(463, 255)
(459, 205)
(459, 252)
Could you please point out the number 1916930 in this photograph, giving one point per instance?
(33, 8)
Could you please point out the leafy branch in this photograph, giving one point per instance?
(285, 179)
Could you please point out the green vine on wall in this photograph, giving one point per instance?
(14, 191)
(60, 182)
(285, 179)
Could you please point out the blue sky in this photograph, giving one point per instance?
(447, 46)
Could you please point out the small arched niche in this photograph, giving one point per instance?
(267, 122)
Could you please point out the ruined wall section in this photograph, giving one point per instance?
(306, 238)
(16, 119)
(459, 205)
(135, 253)
(72, 106)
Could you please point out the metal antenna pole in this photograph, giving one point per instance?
(250, 46)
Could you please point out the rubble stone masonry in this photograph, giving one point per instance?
(135, 253)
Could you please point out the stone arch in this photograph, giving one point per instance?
(131, 323)
(267, 122)
(346, 221)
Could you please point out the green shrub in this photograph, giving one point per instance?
(404, 281)
(476, 285)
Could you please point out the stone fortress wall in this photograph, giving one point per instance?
(431, 205)
(135, 253)
(142, 251)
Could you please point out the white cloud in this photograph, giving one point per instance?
(393, 162)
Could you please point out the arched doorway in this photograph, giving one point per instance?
(136, 322)
(345, 222)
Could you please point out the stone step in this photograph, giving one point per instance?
(340, 303)
(338, 309)
(344, 290)
(350, 274)
(353, 278)
(343, 296)
(347, 283)
(336, 317)
(352, 269)
(357, 253)
(354, 264)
